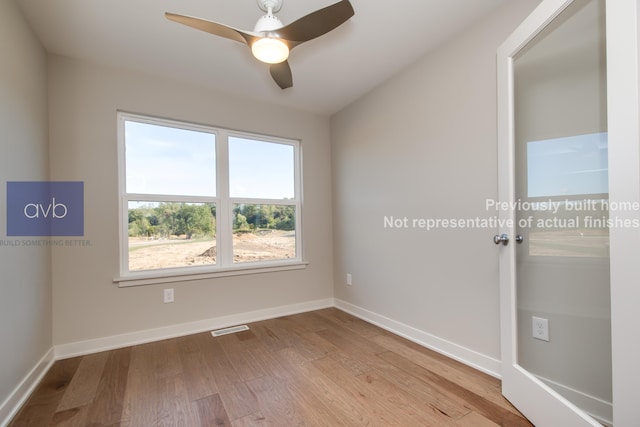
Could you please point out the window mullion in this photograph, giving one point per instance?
(170, 198)
(250, 201)
(297, 164)
(225, 227)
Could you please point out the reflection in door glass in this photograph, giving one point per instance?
(572, 165)
(569, 178)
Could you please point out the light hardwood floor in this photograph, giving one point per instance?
(323, 368)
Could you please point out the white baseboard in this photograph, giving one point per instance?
(21, 393)
(457, 352)
(600, 410)
(81, 348)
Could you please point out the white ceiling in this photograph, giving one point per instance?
(329, 72)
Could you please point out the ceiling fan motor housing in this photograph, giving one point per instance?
(267, 23)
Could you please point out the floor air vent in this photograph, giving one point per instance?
(230, 330)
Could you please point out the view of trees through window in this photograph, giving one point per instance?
(263, 231)
(167, 235)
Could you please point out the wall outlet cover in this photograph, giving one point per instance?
(540, 328)
(168, 296)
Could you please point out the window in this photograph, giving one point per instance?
(197, 199)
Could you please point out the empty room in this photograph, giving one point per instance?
(322, 213)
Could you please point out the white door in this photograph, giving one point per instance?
(554, 191)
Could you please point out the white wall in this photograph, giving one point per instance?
(25, 304)
(423, 146)
(87, 304)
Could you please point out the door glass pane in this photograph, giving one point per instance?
(564, 318)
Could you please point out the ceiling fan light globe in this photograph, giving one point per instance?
(270, 50)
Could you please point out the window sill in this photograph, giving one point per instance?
(157, 277)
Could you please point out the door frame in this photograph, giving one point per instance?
(538, 402)
(623, 88)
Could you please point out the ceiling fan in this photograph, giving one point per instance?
(270, 41)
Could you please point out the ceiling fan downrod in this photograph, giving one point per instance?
(270, 6)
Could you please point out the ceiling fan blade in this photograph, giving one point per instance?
(317, 23)
(281, 73)
(214, 28)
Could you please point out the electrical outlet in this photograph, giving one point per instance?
(540, 328)
(168, 295)
(349, 280)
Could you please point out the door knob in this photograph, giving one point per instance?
(501, 238)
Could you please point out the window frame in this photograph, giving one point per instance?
(224, 208)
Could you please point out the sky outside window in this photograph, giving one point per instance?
(173, 161)
(166, 160)
(259, 169)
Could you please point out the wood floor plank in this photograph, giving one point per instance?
(215, 357)
(173, 406)
(167, 359)
(425, 392)
(236, 396)
(41, 406)
(251, 420)
(323, 368)
(270, 336)
(286, 332)
(473, 419)
(315, 346)
(238, 342)
(272, 366)
(139, 407)
(310, 321)
(349, 354)
(276, 403)
(407, 402)
(352, 323)
(350, 342)
(84, 384)
(246, 364)
(342, 404)
(211, 411)
(312, 408)
(195, 368)
(361, 358)
(377, 405)
(107, 406)
(476, 381)
(73, 417)
(480, 404)
(238, 400)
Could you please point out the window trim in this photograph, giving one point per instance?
(224, 266)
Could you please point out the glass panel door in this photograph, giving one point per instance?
(556, 265)
(564, 318)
